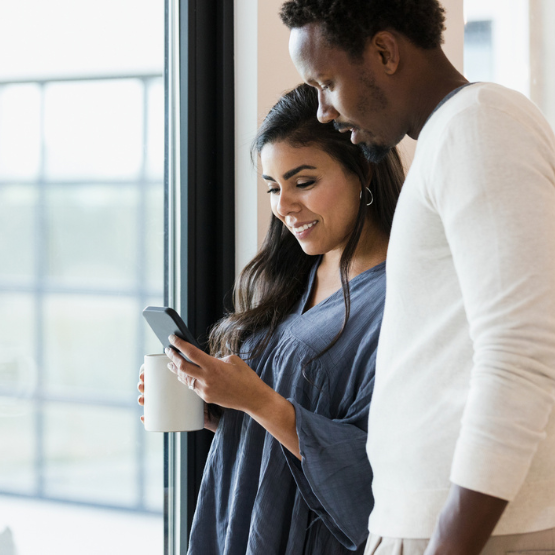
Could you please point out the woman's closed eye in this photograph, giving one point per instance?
(300, 185)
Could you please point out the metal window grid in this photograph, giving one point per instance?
(40, 288)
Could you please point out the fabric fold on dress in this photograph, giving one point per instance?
(334, 477)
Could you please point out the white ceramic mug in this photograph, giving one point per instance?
(169, 405)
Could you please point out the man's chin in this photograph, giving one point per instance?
(375, 153)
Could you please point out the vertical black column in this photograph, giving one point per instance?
(208, 181)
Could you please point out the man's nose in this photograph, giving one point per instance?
(326, 111)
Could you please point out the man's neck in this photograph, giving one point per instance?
(433, 78)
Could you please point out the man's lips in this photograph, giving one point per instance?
(355, 137)
(356, 132)
(344, 127)
(354, 129)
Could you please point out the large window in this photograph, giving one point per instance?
(81, 253)
(511, 42)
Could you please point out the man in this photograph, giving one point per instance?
(462, 431)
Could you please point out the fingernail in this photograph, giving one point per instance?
(172, 338)
(171, 367)
(167, 350)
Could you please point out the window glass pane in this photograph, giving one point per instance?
(154, 471)
(17, 220)
(93, 235)
(73, 529)
(17, 472)
(91, 345)
(155, 138)
(20, 131)
(18, 332)
(104, 142)
(18, 378)
(154, 229)
(68, 37)
(81, 254)
(89, 454)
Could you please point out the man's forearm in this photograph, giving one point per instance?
(465, 522)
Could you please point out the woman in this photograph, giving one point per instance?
(287, 472)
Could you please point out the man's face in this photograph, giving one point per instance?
(349, 91)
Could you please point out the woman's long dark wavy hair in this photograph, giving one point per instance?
(271, 284)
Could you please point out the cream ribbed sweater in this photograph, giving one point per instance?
(465, 380)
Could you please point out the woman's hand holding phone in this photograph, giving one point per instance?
(231, 383)
(228, 382)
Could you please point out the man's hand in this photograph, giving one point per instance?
(465, 523)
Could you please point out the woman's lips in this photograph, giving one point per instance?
(302, 231)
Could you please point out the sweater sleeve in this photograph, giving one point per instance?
(334, 477)
(496, 199)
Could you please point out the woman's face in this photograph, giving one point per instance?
(312, 194)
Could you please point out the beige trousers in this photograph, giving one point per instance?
(534, 543)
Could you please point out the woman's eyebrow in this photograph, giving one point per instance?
(290, 173)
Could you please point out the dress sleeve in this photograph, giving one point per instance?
(497, 204)
(334, 477)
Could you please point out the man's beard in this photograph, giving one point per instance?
(375, 153)
(373, 100)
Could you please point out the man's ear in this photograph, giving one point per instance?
(386, 46)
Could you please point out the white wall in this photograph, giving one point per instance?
(263, 72)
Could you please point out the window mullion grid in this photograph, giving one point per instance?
(41, 241)
(41, 287)
(142, 298)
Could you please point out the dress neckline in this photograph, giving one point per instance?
(312, 276)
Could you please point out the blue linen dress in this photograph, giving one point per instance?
(256, 498)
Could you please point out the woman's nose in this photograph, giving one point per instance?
(326, 111)
(287, 204)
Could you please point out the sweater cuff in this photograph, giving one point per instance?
(480, 468)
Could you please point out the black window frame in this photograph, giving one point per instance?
(200, 49)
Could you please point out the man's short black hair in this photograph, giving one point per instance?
(348, 24)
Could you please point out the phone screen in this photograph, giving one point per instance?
(164, 322)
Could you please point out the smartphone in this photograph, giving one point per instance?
(164, 322)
